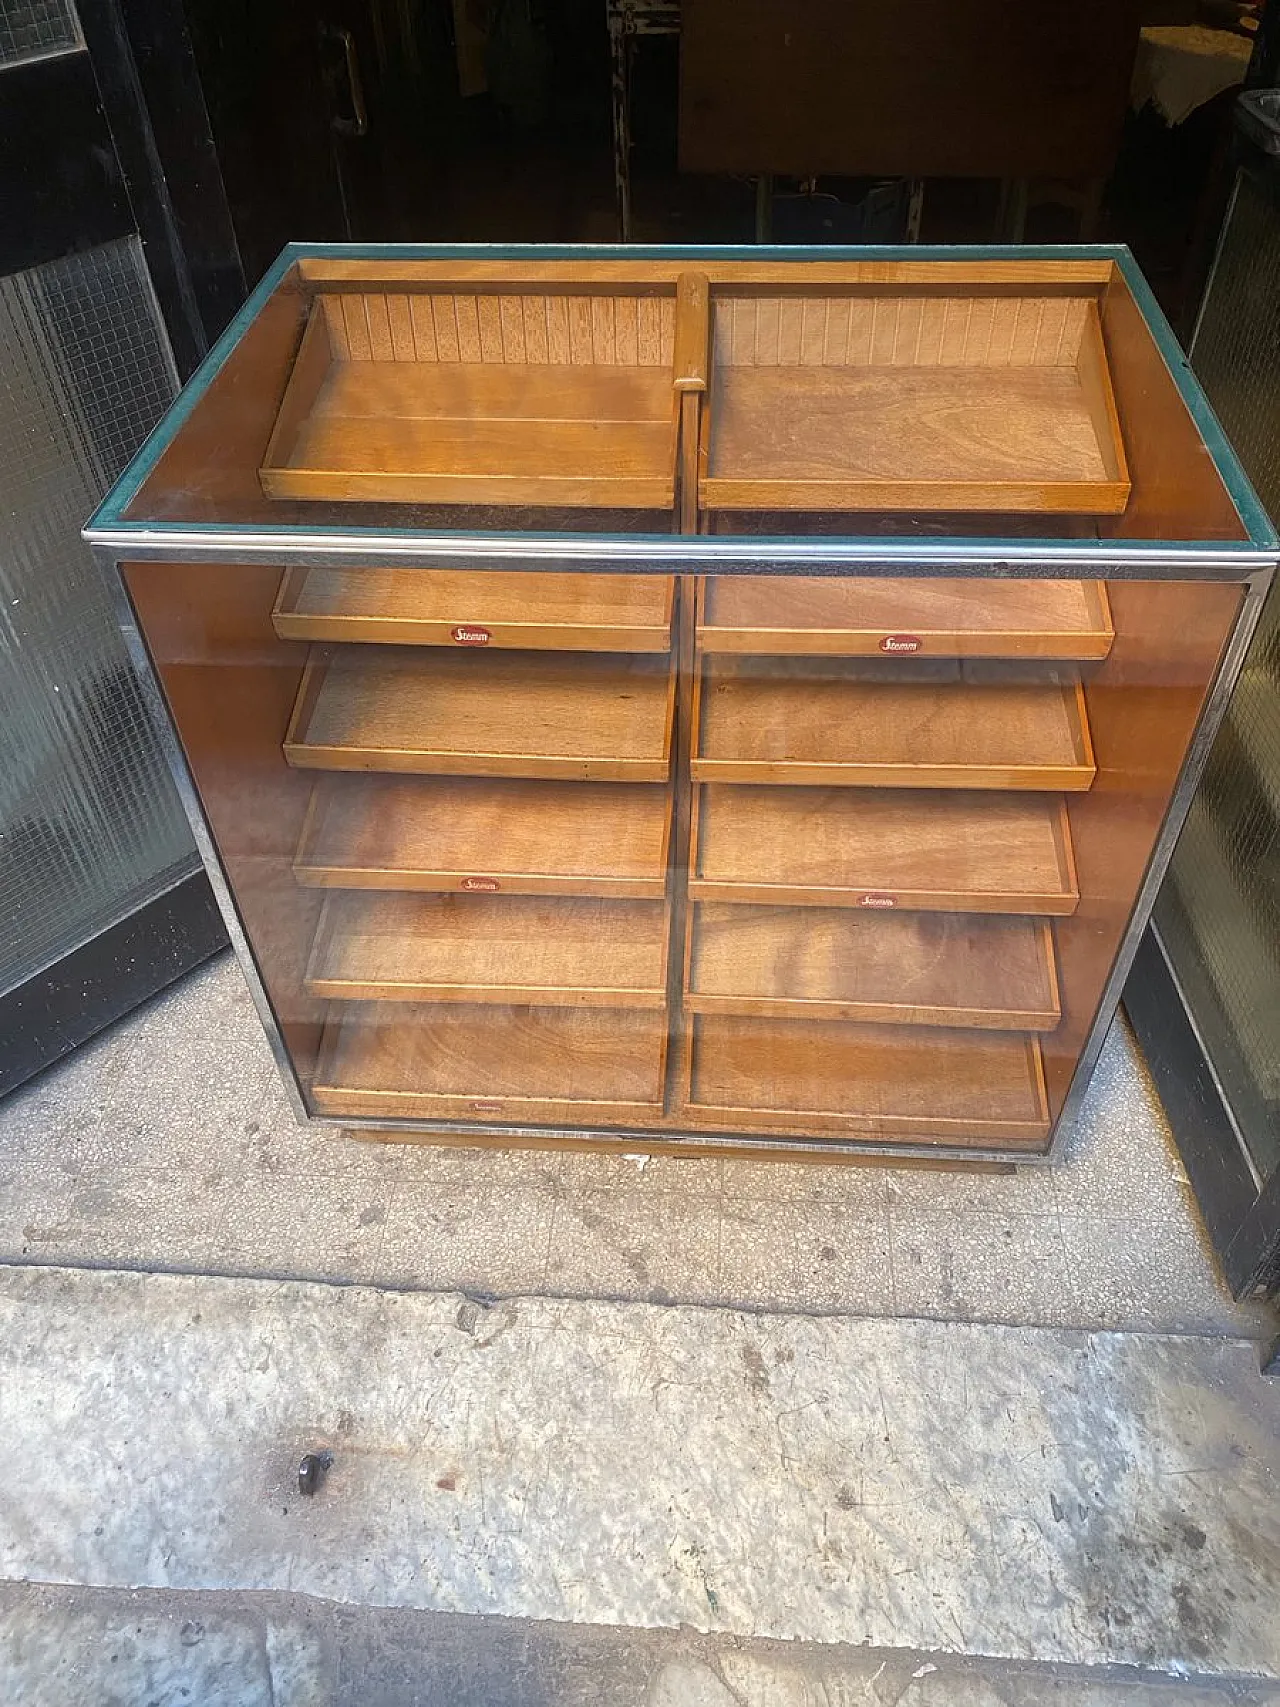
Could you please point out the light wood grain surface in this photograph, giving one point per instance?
(897, 615)
(478, 713)
(896, 330)
(490, 948)
(448, 607)
(878, 1081)
(892, 967)
(487, 836)
(552, 1065)
(762, 720)
(938, 438)
(880, 849)
(501, 399)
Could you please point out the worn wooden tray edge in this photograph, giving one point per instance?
(317, 982)
(1014, 497)
(313, 872)
(304, 754)
(1078, 645)
(1033, 1130)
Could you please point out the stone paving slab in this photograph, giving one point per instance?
(1075, 1498)
(63, 1647)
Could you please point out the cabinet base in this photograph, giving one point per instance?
(602, 1144)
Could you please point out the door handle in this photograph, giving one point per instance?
(358, 123)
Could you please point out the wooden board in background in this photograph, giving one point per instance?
(447, 607)
(769, 720)
(465, 833)
(582, 716)
(903, 616)
(409, 1061)
(490, 948)
(880, 1082)
(946, 88)
(951, 969)
(880, 849)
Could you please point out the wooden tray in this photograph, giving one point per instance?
(768, 720)
(490, 948)
(893, 616)
(445, 607)
(483, 836)
(552, 395)
(880, 849)
(581, 716)
(954, 969)
(924, 402)
(875, 1081)
(555, 1066)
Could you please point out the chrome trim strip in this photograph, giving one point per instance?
(648, 1141)
(1119, 560)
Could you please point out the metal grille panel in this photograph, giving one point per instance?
(90, 824)
(31, 29)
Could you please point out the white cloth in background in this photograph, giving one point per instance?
(1178, 70)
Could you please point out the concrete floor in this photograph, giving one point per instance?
(1021, 1494)
(169, 1145)
(1080, 1518)
(64, 1647)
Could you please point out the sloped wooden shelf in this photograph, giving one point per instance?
(881, 849)
(488, 836)
(490, 948)
(552, 1066)
(769, 720)
(904, 617)
(446, 607)
(583, 716)
(951, 969)
(500, 397)
(895, 1083)
(823, 402)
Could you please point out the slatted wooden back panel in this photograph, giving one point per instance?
(897, 331)
(546, 328)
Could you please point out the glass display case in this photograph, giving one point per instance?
(701, 699)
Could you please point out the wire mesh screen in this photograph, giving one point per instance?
(1221, 907)
(90, 825)
(30, 29)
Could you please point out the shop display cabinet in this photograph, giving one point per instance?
(700, 699)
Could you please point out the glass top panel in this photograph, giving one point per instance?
(689, 396)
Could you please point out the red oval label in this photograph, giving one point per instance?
(487, 883)
(901, 643)
(467, 635)
(874, 900)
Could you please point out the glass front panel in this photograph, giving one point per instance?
(792, 857)
(826, 856)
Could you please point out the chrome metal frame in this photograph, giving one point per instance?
(1249, 562)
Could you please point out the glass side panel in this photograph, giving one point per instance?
(90, 825)
(650, 397)
(829, 859)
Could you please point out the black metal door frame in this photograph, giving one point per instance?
(1241, 1213)
(100, 142)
